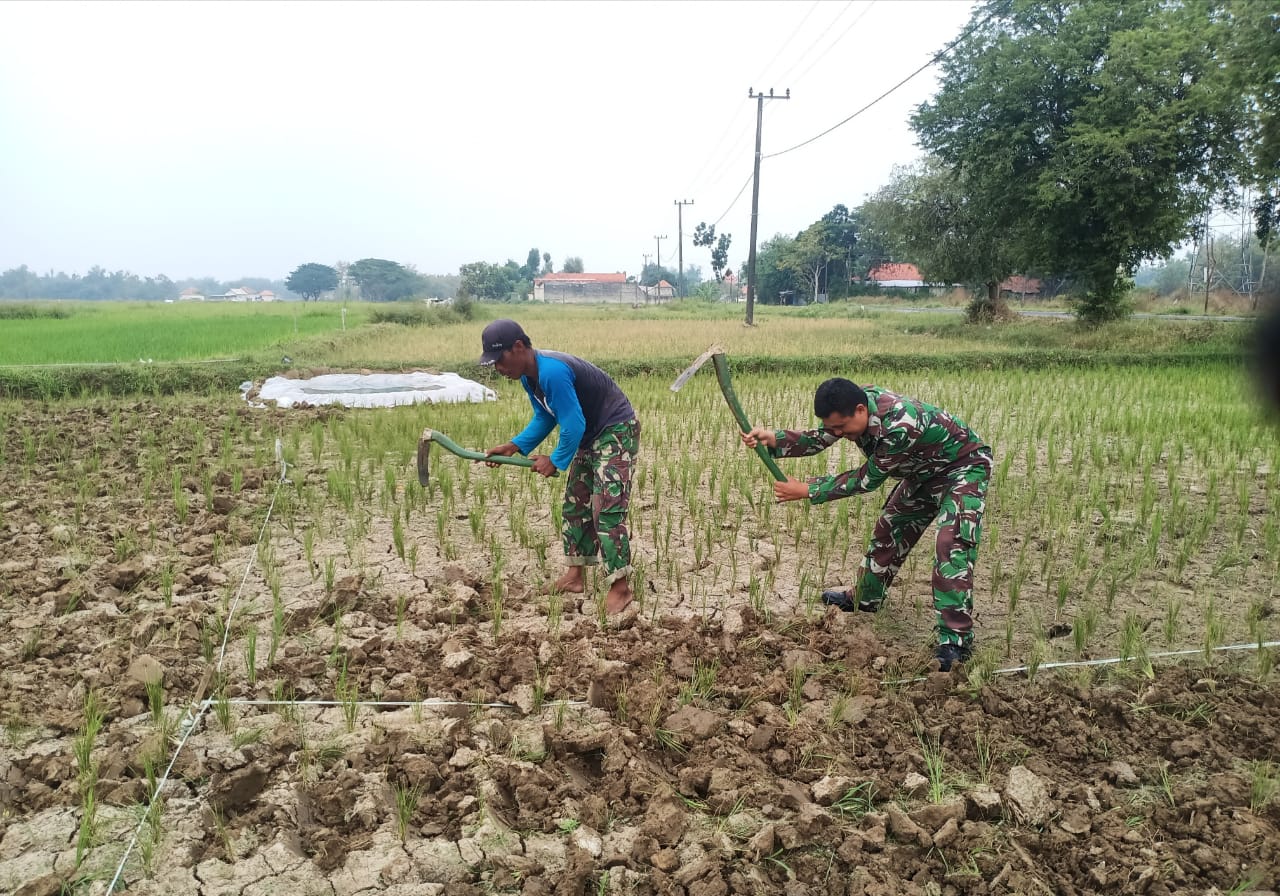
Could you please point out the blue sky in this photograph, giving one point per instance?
(234, 139)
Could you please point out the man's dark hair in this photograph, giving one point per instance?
(838, 396)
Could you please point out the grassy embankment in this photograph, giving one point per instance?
(82, 349)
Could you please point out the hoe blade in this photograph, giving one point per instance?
(424, 458)
(693, 368)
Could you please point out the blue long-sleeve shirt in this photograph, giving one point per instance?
(576, 395)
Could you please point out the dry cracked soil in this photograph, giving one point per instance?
(542, 753)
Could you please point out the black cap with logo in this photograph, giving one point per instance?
(500, 336)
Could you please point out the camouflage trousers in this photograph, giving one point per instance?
(956, 499)
(596, 498)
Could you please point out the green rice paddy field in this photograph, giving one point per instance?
(730, 734)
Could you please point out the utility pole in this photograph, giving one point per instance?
(646, 257)
(755, 197)
(659, 240)
(680, 204)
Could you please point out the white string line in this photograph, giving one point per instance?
(208, 702)
(231, 613)
(1111, 661)
(204, 705)
(245, 701)
(164, 779)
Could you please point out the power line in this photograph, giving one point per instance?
(787, 43)
(741, 190)
(932, 60)
(738, 111)
(816, 41)
(834, 43)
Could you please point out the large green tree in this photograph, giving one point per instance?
(311, 279)
(1253, 63)
(381, 280)
(493, 282)
(773, 273)
(826, 243)
(652, 275)
(928, 215)
(532, 265)
(573, 265)
(841, 236)
(1091, 132)
(705, 235)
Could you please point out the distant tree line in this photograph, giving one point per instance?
(369, 280)
(100, 284)
(509, 282)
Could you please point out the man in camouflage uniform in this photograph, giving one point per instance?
(599, 437)
(943, 467)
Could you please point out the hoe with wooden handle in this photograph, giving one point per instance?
(717, 356)
(433, 437)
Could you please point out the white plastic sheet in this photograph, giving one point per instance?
(371, 390)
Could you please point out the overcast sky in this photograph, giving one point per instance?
(234, 139)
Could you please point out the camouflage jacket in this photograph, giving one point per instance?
(905, 439)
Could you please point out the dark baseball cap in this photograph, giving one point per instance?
(500, 336)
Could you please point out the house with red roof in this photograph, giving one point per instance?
(586, 288)
(1020, 287)
(661, 291)
(896, 275)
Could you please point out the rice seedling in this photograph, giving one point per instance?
(94, 716)
(330, 574)
(406, 798)
(347, 692)
(222, 704)
(1171, 627)
(251, 654)
(1034, 658)
(982, 750)
(31, 644)
(702, 684)
(1214, 629)
(1165, 782)
(166, 583)
(934, 764)
(856, 802)
(1264, 784)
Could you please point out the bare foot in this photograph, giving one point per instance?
(571, 581)
(619, 597)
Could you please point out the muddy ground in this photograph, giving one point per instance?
(523, 745)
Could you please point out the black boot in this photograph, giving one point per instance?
(844, 600)
(950, 654)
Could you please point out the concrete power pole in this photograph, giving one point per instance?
(659, 240)
(755, 197)
(680, 204)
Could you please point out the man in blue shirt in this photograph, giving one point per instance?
(599, 437)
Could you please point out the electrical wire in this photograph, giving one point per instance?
(932, 60)
(735, 199)
(800, 77)
(720, 165)
(817, 40)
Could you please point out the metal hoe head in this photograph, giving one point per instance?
(693, 368)
(424, 458)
